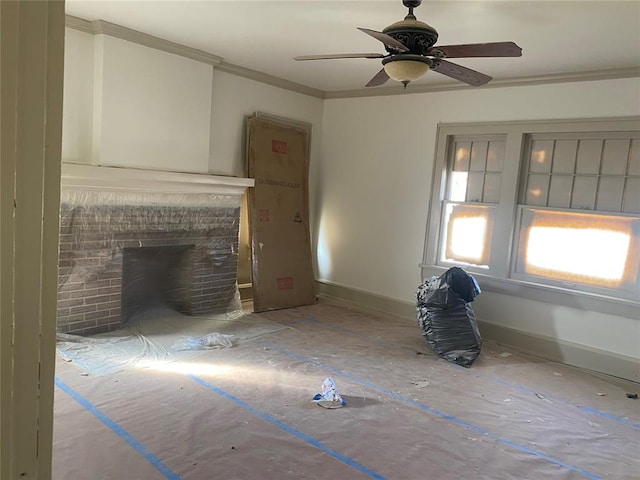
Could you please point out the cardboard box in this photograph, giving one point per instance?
(278, 160)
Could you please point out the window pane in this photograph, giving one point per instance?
(495, 156)
(491, 192)
(478, 156)
(564, 156)
(560, 191)
(584, 193)
(610, 194)
(632, 196)
(541, 155)
(614, 157)
(467, 236)
(474, 187)
(588, 161)
(584, 248)
(458, 186)
(537, 190)
(461, 159)
(589, 152)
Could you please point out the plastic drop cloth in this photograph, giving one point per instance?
(446, 317)
(482, 424)
(159, 336)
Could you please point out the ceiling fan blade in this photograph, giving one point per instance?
(458, 72)
(386, 39)
(378, 79)
(339, 55)
(495, 49)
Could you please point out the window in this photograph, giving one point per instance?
(473, 189)
(547, 204)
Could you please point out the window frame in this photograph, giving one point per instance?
(499, 277)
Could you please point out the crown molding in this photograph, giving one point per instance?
(78, 23)
(588, 76)
(97, 27)
(100, 27)
(270, 80)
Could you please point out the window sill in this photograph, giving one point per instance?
(548, 294)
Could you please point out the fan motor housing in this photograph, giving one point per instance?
(417, 36)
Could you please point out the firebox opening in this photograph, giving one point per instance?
(155, 277)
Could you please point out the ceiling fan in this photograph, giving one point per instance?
(411, 52)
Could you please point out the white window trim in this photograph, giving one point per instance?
(506, 213)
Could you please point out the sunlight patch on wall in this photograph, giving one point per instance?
(323, 248)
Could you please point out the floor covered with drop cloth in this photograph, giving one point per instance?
(246, 413)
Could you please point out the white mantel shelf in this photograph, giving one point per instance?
(117, 179)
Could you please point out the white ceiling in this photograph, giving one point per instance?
(557, 37)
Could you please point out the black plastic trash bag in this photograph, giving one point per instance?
(446, 318)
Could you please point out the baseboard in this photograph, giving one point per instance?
(550, 348)
(366, 301)
(562, 351)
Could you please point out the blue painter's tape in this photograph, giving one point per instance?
(609, 416)
(590, 410)
(283, 426)
(430, 410)
(118, 430)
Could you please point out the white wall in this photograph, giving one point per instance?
(77, 125)
(129, 105)
(154, 108)
(376, 171)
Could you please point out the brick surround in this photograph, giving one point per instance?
(94, 234)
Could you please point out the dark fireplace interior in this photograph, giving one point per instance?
(155, 277)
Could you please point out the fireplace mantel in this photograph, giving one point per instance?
(118, 179)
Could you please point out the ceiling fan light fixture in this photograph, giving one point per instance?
(405, 70)
(412, 52)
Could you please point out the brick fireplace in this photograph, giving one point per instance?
(133, 239)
